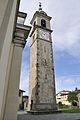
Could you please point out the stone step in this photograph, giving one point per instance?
(43, 112)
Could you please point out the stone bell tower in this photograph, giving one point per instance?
(42, 80)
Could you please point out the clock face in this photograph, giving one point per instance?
(44, 34)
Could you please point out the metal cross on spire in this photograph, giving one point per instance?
(40, 6)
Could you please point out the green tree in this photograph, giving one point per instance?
(72, 97)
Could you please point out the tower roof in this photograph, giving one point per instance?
(40, 9)
(39, 13)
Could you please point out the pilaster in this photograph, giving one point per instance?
(8, 14)
(17, 45)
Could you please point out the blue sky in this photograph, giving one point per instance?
(65, 24)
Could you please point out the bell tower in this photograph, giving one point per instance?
(42, 80)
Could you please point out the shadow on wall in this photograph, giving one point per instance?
(34, 97)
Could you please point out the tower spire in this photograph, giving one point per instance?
(40, 6)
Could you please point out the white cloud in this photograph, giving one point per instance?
(24, 81)
(66, 34)
(67, 27)
(69, 41)
(69, 82)
(65, 22)
(24, 77)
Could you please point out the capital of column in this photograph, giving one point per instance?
(21, 31)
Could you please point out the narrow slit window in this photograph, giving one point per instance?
(44, 48)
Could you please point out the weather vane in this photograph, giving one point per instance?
(40, 6)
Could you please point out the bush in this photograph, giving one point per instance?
(60, 105)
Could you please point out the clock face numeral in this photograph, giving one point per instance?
(44, 35)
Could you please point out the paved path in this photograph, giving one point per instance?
(58, 116)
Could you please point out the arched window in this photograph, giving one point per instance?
(43, 23)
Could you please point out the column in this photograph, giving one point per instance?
(8, 14)
(13, 85)
(19, 41)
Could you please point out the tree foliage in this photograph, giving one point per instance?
(72, 97)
